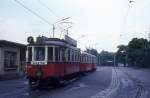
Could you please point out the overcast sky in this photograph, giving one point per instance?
(105, 23)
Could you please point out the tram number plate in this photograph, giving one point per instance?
(39, 62)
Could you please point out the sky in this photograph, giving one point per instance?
(99, 24)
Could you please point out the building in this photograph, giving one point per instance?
(12, 58)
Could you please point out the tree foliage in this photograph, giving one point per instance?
(92, 51)
(106, 58)
(136, 53)
(121, 54)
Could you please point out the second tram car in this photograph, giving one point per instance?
(51, 60)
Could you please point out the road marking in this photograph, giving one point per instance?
(114, 85)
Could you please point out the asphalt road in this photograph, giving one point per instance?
(106, 82)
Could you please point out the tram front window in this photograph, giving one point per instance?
(39, 53)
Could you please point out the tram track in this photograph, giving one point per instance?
(123, 85)
(141, 91)
(114, 85)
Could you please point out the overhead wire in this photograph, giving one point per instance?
(33, 12)
(37, 15)
(48, 8)
(56, 15)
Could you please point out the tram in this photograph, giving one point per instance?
(52, 60)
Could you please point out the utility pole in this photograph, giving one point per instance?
(149, 36)
(114, 59)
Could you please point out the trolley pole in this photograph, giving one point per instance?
(53, 30)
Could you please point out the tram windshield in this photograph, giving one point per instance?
(39, 53)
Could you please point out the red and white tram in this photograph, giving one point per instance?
(50, 60)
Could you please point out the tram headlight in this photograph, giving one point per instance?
(30, 39)
(39, 74)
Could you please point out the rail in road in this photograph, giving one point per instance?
(122, 86)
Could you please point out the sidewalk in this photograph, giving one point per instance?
(10, 76)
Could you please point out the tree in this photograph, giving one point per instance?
(92, 51)
(121, 55)
(106, 58)
(138, 52)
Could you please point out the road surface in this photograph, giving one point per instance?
(105, 82)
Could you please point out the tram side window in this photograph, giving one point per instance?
(71, 55)
(84, 59)
(68, 54)
(57, 53)
(64, 54)
(81, 58)
(87, 59)
(75, 56)
(29, 53)
(50, 53)
(78, 56)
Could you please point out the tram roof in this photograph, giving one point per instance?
(53, 41)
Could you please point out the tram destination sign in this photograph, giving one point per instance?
(70, 40)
